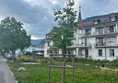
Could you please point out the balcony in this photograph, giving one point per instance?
(84, 45)
(98, 33)
(99, 44)
(112, 44)
(86, 34)
(111, 32)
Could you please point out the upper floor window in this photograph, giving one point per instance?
(81, 41)
(33, 49)
(96, 21)
(75, 33)
(100, 30)
(80, 31)
(110, 29)
(111, 39)
(113, 18)
(100, 41)
(87, 31)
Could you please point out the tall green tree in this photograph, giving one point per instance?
(62, 34)
(13, 36)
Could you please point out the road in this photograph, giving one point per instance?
(5, 73)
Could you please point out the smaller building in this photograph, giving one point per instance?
(36, 48)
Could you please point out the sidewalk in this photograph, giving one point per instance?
(5, 73)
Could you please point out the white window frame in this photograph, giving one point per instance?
(111, 52)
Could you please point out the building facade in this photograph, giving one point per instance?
(95, 38)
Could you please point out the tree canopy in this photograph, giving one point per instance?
(12, 35)
(62, 34)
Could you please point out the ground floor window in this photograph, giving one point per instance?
(111, 52)
(69, 52)
(100, 52)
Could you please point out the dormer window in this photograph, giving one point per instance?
(113, 18)
(96, 21)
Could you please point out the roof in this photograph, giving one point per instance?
(101, 18)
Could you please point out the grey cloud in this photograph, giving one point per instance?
(33, 16)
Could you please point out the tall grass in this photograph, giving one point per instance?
(83, 73)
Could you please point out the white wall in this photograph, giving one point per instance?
(93, 51)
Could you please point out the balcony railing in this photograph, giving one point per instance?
(99, 44)
(111, 32)
(112, 44)
(84, 45)
(98, 33)
(85, 34)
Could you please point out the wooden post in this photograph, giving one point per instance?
(64, 69)
(49, 73)
(49, 68)
(73, 69)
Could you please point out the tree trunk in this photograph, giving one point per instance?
(13, 55)
(64, 64)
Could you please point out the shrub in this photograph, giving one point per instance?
(105, 70)
(25, 58)
(43, 60)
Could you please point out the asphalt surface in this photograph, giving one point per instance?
(5, 73)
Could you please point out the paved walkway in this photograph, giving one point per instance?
(5, 73)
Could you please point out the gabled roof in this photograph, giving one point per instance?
(102, 19)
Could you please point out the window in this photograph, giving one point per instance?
(69, 52)
(80, 31)
(100, 52)
(111, 52)
(113, 18)
(48, 43)
(100, 30)
(33, 49)
(55, 52)
(110, 29)
(87, 31)
(100, 41)
(96, 21)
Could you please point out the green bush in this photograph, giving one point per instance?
(43, 60)
(116, 63)
(25, 58)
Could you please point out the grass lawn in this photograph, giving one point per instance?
(86, 71)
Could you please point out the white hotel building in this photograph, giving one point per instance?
(95, 38)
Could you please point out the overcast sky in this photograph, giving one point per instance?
(37, 15)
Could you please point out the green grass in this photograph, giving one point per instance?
(38, 73)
